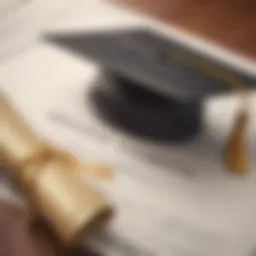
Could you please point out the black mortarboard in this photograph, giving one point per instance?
(153, 86)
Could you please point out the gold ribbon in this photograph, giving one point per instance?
(31, 167)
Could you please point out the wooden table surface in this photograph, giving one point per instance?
(18, 239)
(231, 23)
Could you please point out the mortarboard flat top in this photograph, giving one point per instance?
(153, 87)
(150, 60)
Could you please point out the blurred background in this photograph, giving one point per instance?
(229, 22)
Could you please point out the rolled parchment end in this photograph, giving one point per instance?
(74, 210)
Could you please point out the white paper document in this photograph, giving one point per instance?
(8, 7)
(23, 21)
(175, 200)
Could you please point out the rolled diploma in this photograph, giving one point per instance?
(73, 209)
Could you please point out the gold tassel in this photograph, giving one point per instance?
(235, 150)
(235, 155)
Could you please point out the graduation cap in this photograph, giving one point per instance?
(154, 87)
